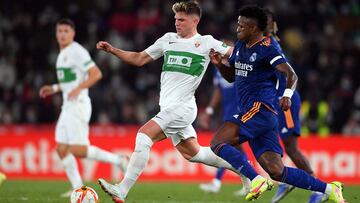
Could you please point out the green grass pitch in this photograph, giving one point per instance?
(149, 192)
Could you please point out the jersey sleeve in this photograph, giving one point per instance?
(217, 45)
(277, 46)
(83, 59)
(274, 57)
(155, 51)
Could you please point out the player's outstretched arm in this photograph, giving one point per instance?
(227, 72)
(291, 78)
(133, 58)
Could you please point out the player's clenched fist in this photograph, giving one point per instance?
(45, 91)
(215, 57)
(285, 103)
(106, 46)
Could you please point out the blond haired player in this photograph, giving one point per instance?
(186, 57)
(76, 73)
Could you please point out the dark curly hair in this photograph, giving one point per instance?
(256, 13)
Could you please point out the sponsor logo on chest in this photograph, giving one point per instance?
(179, 60)
(242, 69)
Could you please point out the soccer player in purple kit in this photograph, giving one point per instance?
(289, 121)
(224, 93)
(254, 63)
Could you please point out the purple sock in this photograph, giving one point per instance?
(301, 179)
(220, 173)
(236, 158)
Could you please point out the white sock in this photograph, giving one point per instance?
(246, 182)
(328, 189)
(98, 154)
(216, 182)
(72, 171)
(258, 177)
(208, 157)
(137, 163)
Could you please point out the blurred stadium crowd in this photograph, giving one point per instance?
(320, 38)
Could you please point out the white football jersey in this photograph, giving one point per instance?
(72, 65)
(185, 62)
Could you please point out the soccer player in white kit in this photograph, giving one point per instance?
(185, 62)
(76, 73)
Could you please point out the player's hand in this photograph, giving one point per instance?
(45, 91)
(215, 57)
(105, 46)
(74, 94)
(285, 103)
(204, 120)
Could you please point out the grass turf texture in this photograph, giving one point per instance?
(49, 191)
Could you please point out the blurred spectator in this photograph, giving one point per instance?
(320, 38)
(352, 127)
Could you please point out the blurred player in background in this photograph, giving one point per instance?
(224, 93)
(2, 178)
(76, 73)
(254, 63)
(186, 57)
(289, 121)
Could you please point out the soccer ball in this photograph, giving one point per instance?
(84, 195)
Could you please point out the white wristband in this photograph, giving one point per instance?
(55, 87)
(288, 93)
(209, 110)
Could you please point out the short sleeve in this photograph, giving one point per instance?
(218, 46)
(274, 57)
(155, 51)
(277, 46)
(83, 59)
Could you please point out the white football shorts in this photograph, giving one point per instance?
(72, 127)
(176, 120)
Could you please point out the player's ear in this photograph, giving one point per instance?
(196, 19)
(73, 34)
(254, 28)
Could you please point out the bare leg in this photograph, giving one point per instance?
(295, 154)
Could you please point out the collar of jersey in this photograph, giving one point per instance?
(196, 35)
(256, 42)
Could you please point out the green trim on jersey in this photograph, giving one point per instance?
(88, 62)
(183, 62)
(65, 74)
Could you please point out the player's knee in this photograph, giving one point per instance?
(143, 142)
(62, 150)
(78, 151)
(275, 172)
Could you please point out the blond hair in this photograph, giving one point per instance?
(188, 7)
